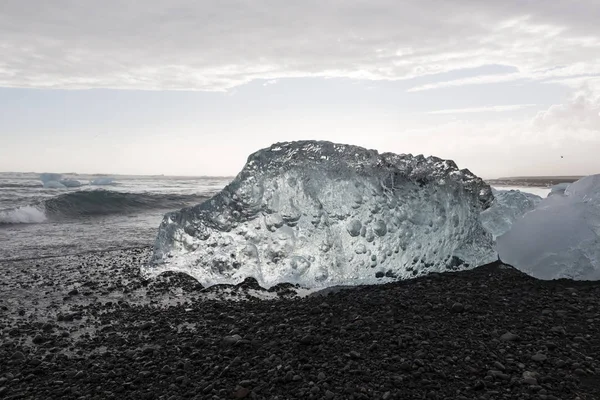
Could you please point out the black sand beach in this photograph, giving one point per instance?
(87, 326)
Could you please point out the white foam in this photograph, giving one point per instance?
(22, 215)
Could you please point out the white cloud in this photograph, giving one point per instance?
(475, 80)
(217, 45)
(511, 107)
(577, 119)
(533, 146)
(579, 72)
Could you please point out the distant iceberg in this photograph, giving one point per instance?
(54, 185)
(51, 181)
(323, 214)
(56, 181)
(102, 181)
(49, 177)
(70, 182)
(560, 237)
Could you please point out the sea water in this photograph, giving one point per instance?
(36, 221)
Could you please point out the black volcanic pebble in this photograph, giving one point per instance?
(457, 308)
(250, 283)
(38, 339)
(489, 333)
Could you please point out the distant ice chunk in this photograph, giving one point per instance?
(560, 237)
(56, 181)
(68, 182)
(508, 206)
(102, 181)
(54, 185)
(323, 214)
(50, 177)
(51, 180)
(558, 189)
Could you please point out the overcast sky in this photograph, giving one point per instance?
(503, 87)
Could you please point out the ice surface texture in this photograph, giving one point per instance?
(322, 214)
(508, 206)
(558, 189)
(560, 237)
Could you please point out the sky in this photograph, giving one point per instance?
(181, 87)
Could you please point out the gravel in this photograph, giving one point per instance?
(488, 333)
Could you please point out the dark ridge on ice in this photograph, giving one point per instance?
(88, 326)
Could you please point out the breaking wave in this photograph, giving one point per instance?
(22, 215)
(92, 203)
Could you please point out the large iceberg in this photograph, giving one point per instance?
(322, 214)
(560, 237)
(508, 206)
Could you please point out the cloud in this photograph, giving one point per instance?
(512, 147)
(580, 72)
(519, 145)
(579, 118)
(511, 107)
(215, 46)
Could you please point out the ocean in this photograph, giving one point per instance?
(123, 212)
(37, 222)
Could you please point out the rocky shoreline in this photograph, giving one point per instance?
(88, 326)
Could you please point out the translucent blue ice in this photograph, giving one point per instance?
(322, 214)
